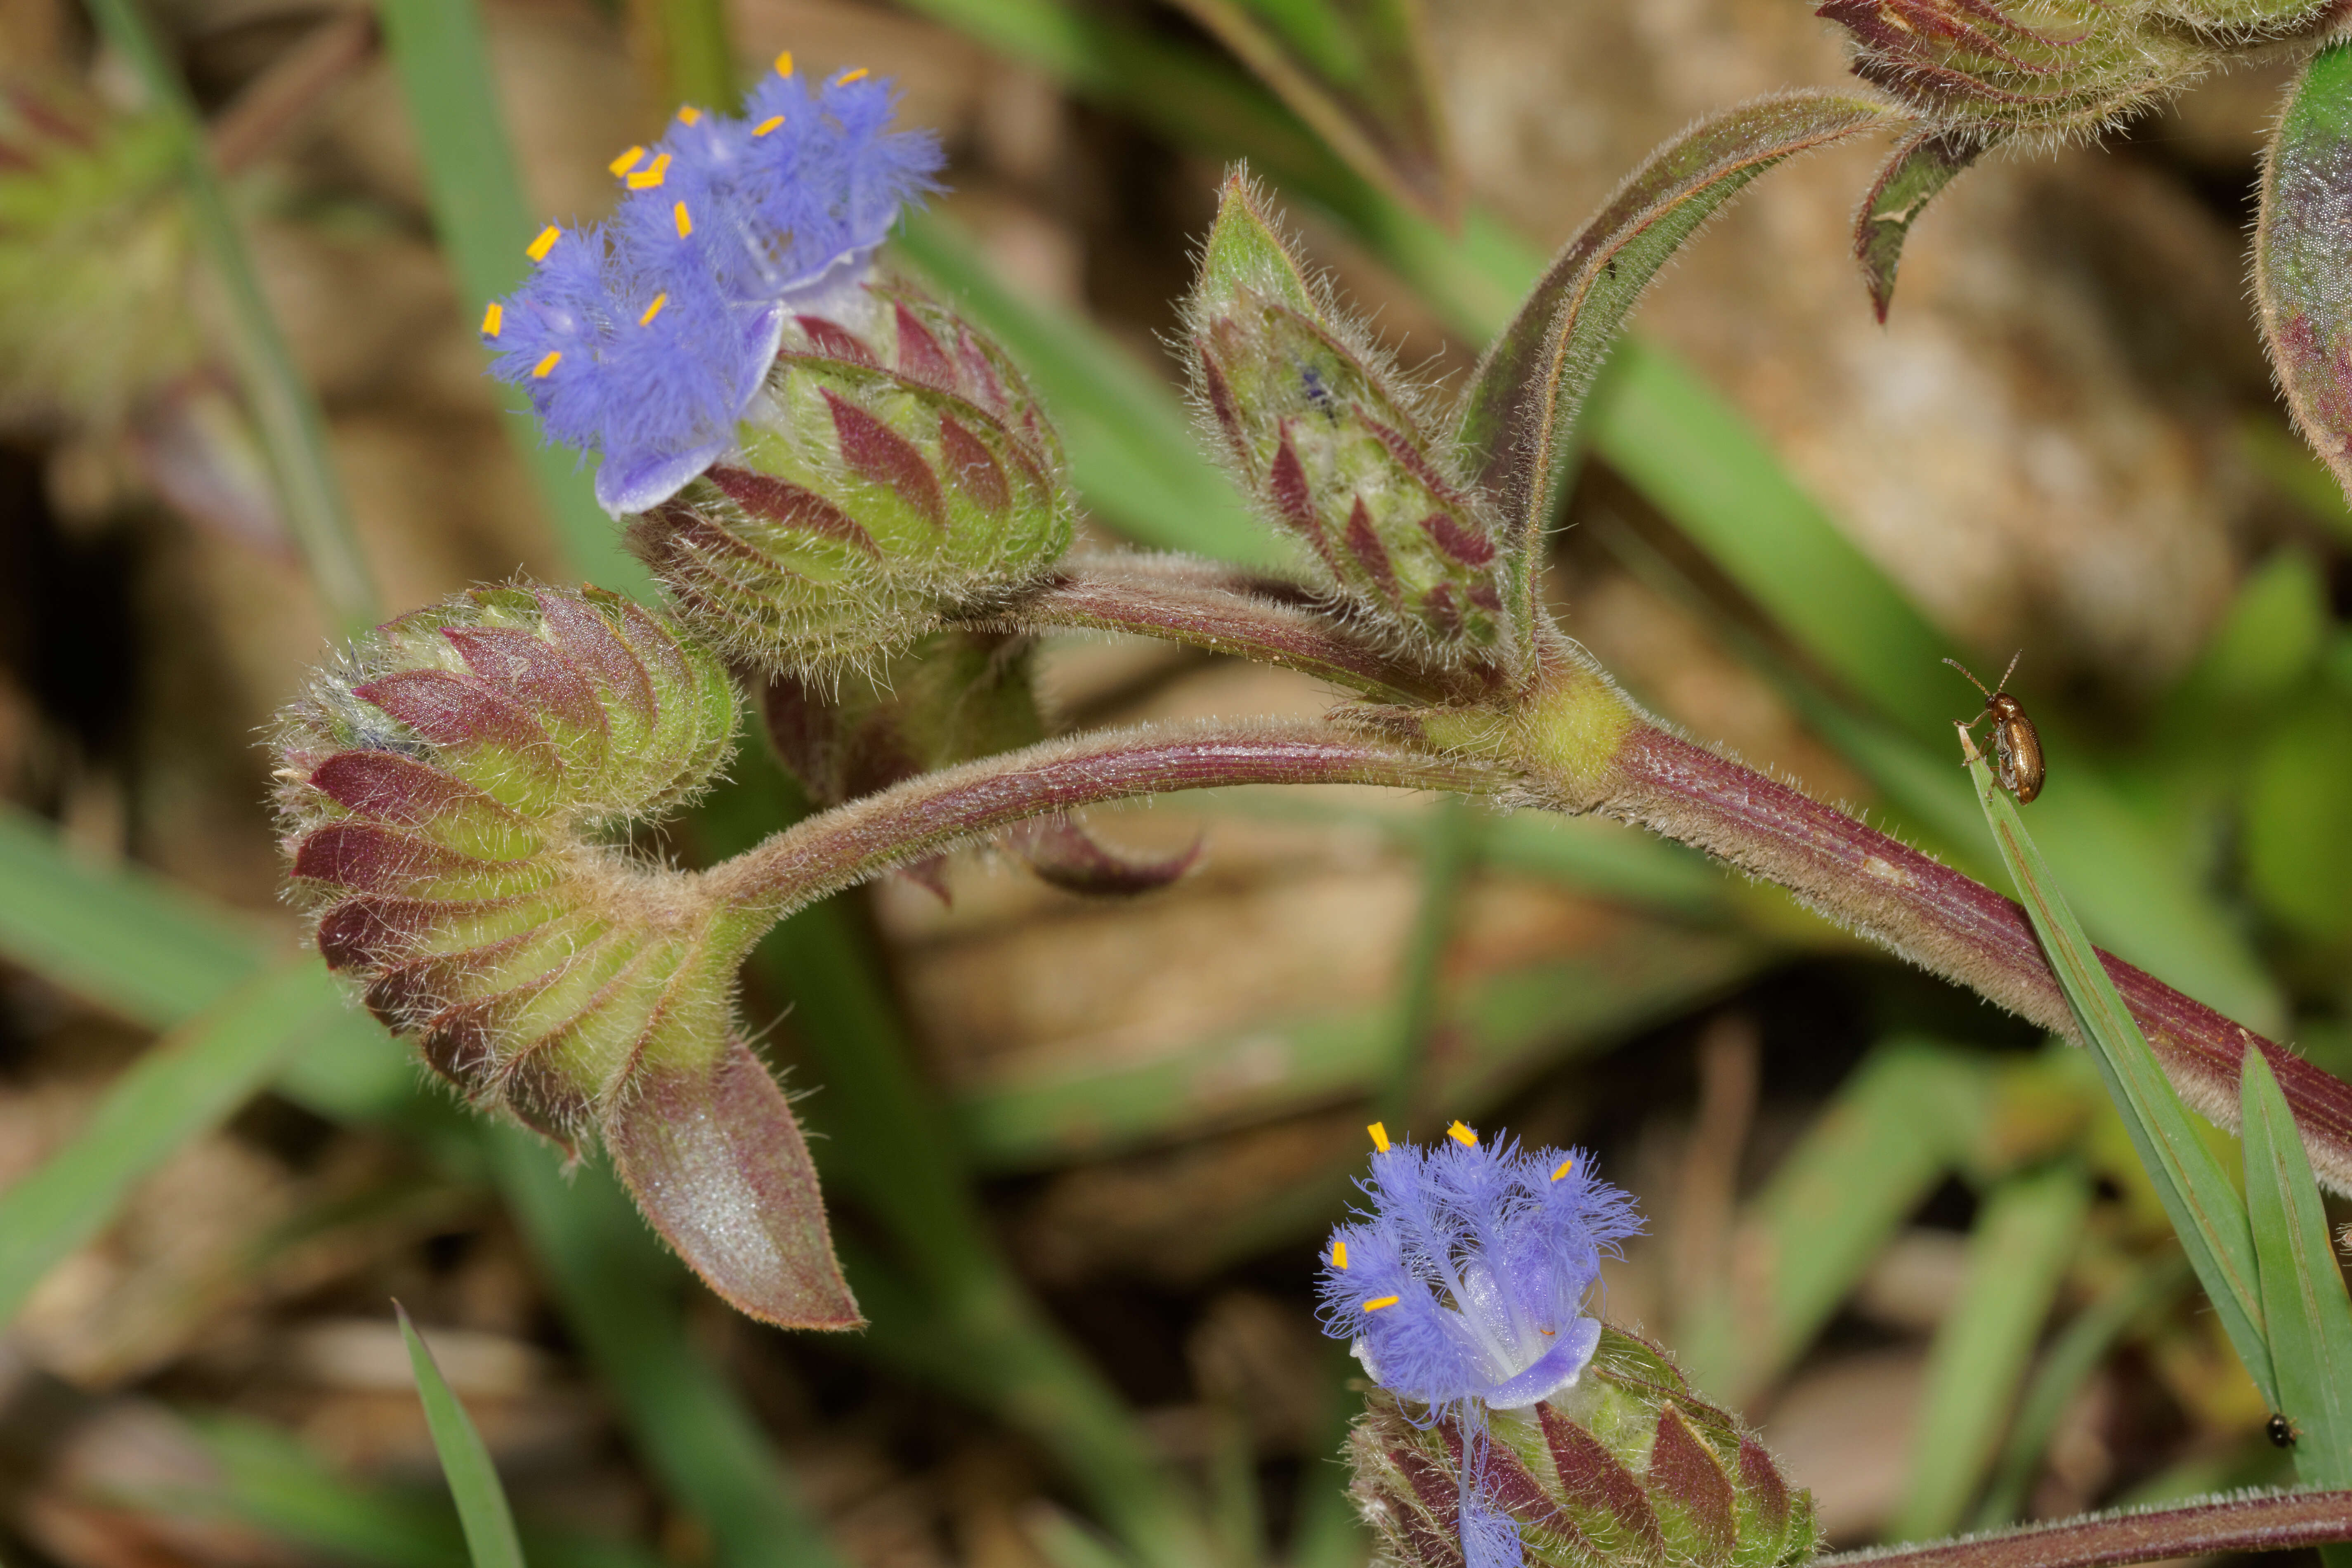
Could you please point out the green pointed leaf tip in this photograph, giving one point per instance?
(1518, 420)
(2299, 256)
(1328, 437)
(2057, 68)
(2305, 1310)
(1921, 166)
(451, 793)
(896, 470)
(491, 1540)
(1627, 1465)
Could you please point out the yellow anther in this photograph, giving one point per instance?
(652, 310)
(649, 178)
(1463, 1135)
(785, 63)
(492, 318)
(1377, 1302)
(846, 78)
(627, 161)
(1565, 1167)
(544, 243)
(541, 370)
(1340, 1256)
(767, 125)
(685, 223)
(1380, 1136)
(690, 115)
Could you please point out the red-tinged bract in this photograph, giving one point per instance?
(454, 791)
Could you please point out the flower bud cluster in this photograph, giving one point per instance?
(645, 337)
(1512, 1424)
(95, 259)
(447, 789)
(2056, 68)
(893, 468)
(1323, 431)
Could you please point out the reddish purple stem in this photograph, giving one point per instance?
(2276, 1523)
(1946, 923)
(938, 811)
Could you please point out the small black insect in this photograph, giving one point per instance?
(2280, 1431)
(1311, 379)
(2016, 744)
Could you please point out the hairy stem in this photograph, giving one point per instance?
(1949, 924)
(935, 812)
(1222, 611)
(2273, 1523)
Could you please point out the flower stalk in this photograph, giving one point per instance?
(2279, 1521)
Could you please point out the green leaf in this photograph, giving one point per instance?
(186, 1084)
(2206, 1211)
(465, 1460)
(438, 49)
(1359, 76)
(2305, 1307)
(2306, 204)
(1922, 163)
(2086, 1341)
(1522, 404)
(1130, 440)
(2025, 1240)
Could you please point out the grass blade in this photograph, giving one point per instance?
(186, 1084)
(2025, 1240)
(438, 49)
(1898, 1126)
(2086, 1342)
(2304, 1308)
(293, 431)
(2206, 1211)
(465, 1460)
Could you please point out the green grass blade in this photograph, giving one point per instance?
(2206, 1211)
(293, 431)
(186, 1084)
(2024, 1239)
(2304, 1308)
(1129, 439)
(2086, 1341)
(465, 1458)
(438, 49)
(128, 941)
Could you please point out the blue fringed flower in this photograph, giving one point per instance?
(1463, 1288)
(645, 337)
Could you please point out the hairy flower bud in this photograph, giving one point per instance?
(893, 470)
(2054, 67)
(1626, 1465)
(453, 794)
(1321, 428)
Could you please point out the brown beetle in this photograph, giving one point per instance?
(2015, 742)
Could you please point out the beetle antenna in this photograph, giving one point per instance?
(2011, 669)
(1963, 669)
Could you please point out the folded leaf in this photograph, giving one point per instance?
(2299, 259)
(1521, 407)
(1923, 164)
